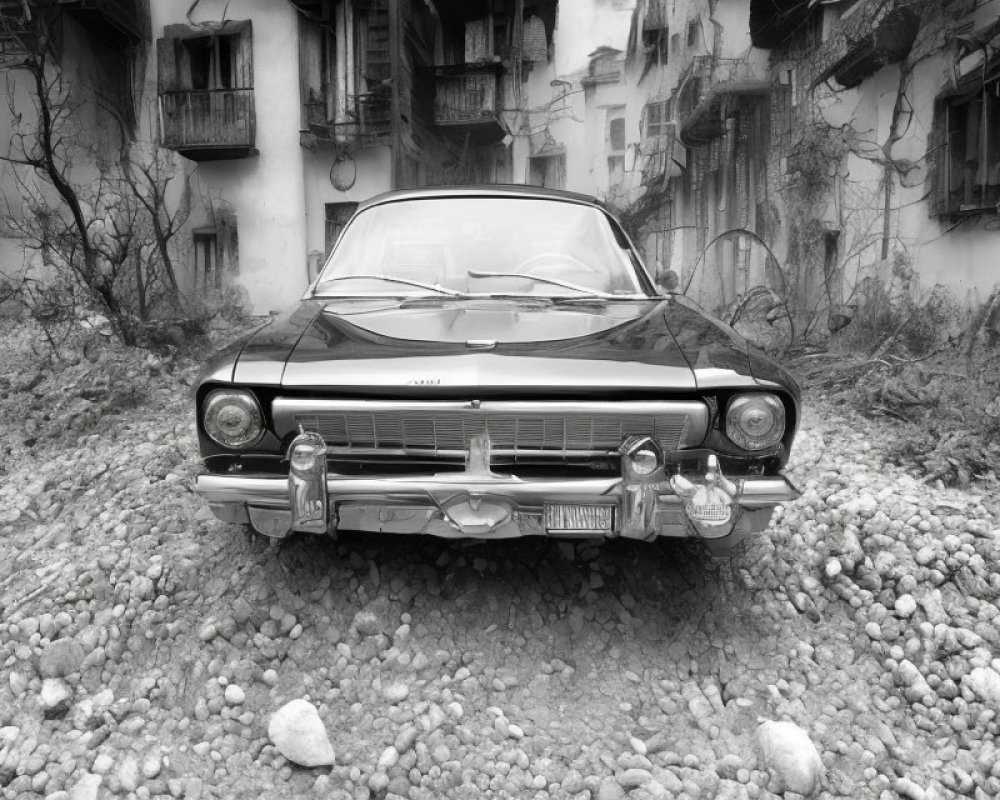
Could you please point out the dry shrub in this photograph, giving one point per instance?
(892, 319)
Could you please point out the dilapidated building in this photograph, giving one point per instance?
(283, 116)
(885, 150)
(809, 148)
(378, 95)
(815, 148)
(102, 46)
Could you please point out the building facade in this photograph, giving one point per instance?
(885, 130)
(798, 146)
(377, 95)
(278, 118)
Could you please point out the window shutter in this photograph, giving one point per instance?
(166, 65)
(244, 56)
(939, 156)
(311, 72)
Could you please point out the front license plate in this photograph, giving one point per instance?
(565, 517)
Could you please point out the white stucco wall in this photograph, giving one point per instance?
(958, 255)
(373, 169)
(266, 191)
(88, 133)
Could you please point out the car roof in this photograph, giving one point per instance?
(490, 190)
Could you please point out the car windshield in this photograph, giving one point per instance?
(481, 246)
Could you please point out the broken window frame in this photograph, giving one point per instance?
(207, 271)
(174, 65)
(656, 119)
(336, 217)
(15, 29)
(978, 188)
(547, 171)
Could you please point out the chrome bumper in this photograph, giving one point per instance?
(484, 504)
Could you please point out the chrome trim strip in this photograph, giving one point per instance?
(289, 405)
(459, 455)
(273, 491)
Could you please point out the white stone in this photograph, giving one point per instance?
(8, 735)
(18, 683)
(396, 692)
(906, 788)
(103, 764)
(791, 757)
(55, 694)
(905, 605)
(388, 758)
(128, 773)
(299, 734)
(86, 788)
(985, 683)
(235, 695)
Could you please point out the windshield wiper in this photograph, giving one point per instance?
(527, 299)
(473, 273)
(389, 279)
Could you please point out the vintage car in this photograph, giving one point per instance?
(491, 363)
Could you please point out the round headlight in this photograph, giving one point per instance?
(755, 421)
(232, 418)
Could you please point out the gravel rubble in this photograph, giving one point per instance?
(150, 651)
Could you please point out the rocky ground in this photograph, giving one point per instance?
(150, 651)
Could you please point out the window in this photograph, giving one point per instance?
(14, 31)
(655, 33)
(548, 171)
(318, 70)
(692, 32)
(615, 144)
(206, 262)
(970, 179)
(656, 43)
(615, 124)
(337, 215)
(191, 60)
(216, 248)
(656, 119)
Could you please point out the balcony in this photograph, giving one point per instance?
(113, 21)
(873, 36)
(17, 35)
(368, 121)
(467, 100)
(209, 125)
(711, 91)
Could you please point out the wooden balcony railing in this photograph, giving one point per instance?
(202, 125)
(469, 99)
(466, 97)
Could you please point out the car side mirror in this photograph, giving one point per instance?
(667, 279)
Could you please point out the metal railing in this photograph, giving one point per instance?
(208, 118)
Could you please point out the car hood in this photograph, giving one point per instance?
(495, 345)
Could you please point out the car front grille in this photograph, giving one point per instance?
(520, 429)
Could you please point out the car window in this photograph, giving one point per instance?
(480, 245)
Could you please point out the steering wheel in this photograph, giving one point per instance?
(554, 260)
